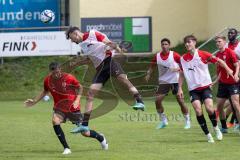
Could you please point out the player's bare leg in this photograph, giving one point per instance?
(222, 114)
(236, 106)
(93, 90)
(185, 112)
(201, 120)
(98, 136)
(212, 116)
(83, 128)
(57, 119)
(133, 90)
(160, 111)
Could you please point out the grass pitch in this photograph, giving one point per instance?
(27, 134)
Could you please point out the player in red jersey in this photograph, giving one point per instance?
(167, 63)
(235, 46)
(228, 86)
(195, 70)
(66, 92)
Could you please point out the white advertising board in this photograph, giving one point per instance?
(36, 44)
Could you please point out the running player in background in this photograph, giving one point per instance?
(228, 87)
(66, 92)
(167, 63)
(194, 65)
(97, 47)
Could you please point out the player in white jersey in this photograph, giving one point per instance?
(195, 70)
(167, 63)
(98, 49)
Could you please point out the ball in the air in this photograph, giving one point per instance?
(47, 16)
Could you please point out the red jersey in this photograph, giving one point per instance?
(63, 90)
(176, 57)
(206, 57)
(232, 46)
(229, 57)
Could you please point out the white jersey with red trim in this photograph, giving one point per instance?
(165, 74)
(94, 49)
(196, 72)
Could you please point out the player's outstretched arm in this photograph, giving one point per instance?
(180, 83)
(31, 102)
(112, 45)
(149, 72)
(236, 65)
(224, 65)
(79, 94)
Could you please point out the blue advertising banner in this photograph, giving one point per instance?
(26, 13)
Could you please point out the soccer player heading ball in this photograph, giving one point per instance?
(98, 48)
(66, 92)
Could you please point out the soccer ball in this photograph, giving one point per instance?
(47, 16)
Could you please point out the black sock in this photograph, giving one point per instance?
(233, 118)
(213, 119)
(202, 122)
(224, 124)
(138, 98)
(86, 118)
(96, 135)
(59, 132)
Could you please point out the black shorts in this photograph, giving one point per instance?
(107, 68)
(200, 95)
(227, 90)
(165, 88)
(74, 117)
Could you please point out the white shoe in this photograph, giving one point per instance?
(104, 143)
(66, 151)
(210, 138)
(236, 128)
(187, 125)
(219, 135)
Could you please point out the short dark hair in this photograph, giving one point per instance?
(165, 40)
(70, 30)
(53, 66)
(233, 29)
(189, 37)
(220, 37)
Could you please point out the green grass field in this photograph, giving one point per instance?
(27, 134)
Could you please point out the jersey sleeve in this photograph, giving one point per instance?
(45, 84)
(74, 81)
(100, 36)
(208, 57)
(154, 61)
(176, 57)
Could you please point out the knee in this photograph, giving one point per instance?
(56, 121)
(180, 100)
(85, 134)
(198, 111)
(159, 99)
